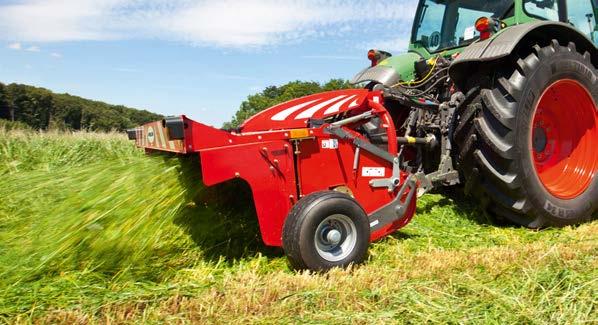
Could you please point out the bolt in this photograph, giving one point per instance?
(272, 168)
(259, 137)
(276, 161)
(334, 237)
(237, 174)
(264, 149)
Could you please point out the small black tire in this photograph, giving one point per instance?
(312, 228)
(495, 155)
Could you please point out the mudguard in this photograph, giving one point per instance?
(509, 39)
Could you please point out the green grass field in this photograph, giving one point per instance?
(94, 231)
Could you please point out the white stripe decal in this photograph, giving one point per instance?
(337, 106)
(310, 112)
(281, 116)
(156, 136)
(162, 138)
(353, 104)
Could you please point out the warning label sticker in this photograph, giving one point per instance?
(373, 172)
(330, 144)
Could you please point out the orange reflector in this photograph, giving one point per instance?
(299, 133)
(372, 55)
(482, 24)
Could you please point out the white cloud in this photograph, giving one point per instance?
(15, 46)
(223, 23)
(332, 57)
(56, 55)
(33, 49)
(394, 45)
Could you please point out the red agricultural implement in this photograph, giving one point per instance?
(322, 190)
(498, 96)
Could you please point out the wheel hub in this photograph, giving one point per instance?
(564, 139)
(335, 237)
(539, 141)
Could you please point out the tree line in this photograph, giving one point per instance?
(42, 109)
(274, 95)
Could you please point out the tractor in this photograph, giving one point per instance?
(494, 98)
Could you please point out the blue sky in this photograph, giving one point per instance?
(200, 58)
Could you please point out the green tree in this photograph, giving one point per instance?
(5, 109)
(42, 109)
(274, 95)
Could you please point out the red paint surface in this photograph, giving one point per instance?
(263, 155)
(566, 114)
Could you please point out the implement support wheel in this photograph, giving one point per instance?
(325, 230)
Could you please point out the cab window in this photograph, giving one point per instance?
(543, 9)
(582, 15)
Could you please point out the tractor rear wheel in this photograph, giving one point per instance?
(325, 230)
(529, 141)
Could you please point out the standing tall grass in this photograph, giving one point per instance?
(24, 149)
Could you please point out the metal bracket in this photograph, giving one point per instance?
(446, 173)
(359, 143)
(395, 210)
(391, 183)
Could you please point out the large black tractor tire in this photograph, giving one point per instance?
(326, 230)
(528, 142)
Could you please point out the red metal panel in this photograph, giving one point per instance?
(263, 156)
(268, 168)
(325, 169)
(323, 166)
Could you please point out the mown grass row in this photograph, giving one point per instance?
(103, 233)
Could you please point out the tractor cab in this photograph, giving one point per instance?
(445, 28)
(442, 25)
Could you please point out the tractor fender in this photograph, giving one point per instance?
(510, 39)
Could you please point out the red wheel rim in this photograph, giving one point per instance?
(564, 139)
